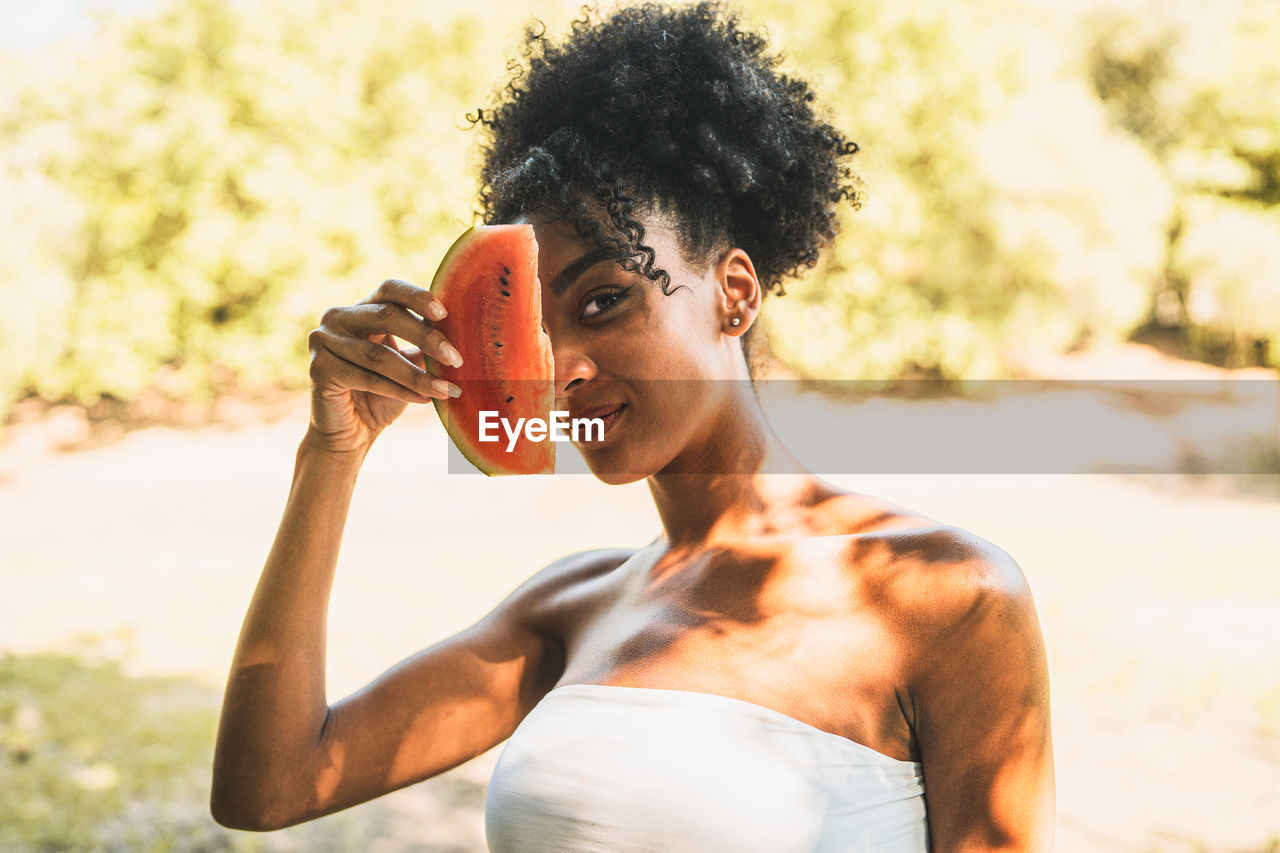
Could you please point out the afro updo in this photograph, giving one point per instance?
(671, 111)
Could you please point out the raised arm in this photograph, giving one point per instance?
(274, 709)
(283, 755)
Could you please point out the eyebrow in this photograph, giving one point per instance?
(570, 273)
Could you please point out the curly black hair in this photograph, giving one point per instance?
(674, 111)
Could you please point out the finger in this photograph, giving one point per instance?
(416, 356)
(370, 319)
(328, 368)
(399, 292)
(391, 342)
(385, 361)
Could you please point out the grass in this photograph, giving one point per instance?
(93, 760)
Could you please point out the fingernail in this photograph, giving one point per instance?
(451, 355)
(436, 311)
(446, 387)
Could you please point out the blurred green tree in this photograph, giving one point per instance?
(184, 194)
(1199, 86)
(183, 199)
(1003, 211)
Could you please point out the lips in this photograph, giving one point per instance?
(609, 413)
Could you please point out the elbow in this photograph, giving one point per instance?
(234, 819)
(232, 815)
(248, 807)
(235, 816)
(260, 790)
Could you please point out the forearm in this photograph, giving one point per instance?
(275, 706)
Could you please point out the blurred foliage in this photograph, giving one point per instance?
(183, 195)
(947, 265)
(1034, 179)
(182, 200)
(76, 746)
(1199, 86)
(95, 760)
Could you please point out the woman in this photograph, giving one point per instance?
(788, 666)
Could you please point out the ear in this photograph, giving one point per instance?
(740, 292)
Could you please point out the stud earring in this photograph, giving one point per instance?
(736, 321)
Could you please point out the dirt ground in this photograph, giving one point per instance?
(1159, 597)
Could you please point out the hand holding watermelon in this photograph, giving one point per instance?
(361, 380)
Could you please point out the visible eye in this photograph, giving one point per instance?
(601, 303)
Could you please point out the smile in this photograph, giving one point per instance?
(609, 414)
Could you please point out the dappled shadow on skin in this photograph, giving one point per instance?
(1011, 785)
(899, 566)
(709, 591)
(946, 584)
(698, 589)
(662, 600)
(939, 546)
(724, 581)
(394, 747)
(714, 592)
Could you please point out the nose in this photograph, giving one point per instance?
(573, 369)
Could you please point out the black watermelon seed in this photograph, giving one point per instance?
(506, 293)
(504, 281)
(497, 343)
(507, 270)
(509, 399)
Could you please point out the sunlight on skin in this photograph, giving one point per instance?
(329, 774)
(262, 654)
(406, 755)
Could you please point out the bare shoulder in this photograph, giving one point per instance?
(973, 682)
(925, 578)
(917, 565)
(968, 667)
(960, 606)
(948, 569)
(560, 590)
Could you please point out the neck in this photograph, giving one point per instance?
(730, 482)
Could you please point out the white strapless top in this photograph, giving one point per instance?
(627, 769)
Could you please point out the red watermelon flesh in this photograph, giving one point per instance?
(488, 282)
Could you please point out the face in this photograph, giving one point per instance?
(641, 360)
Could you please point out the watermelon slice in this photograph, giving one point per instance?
(488, 281)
